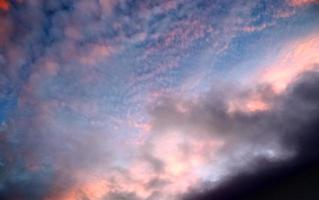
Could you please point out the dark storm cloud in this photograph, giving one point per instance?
(292, 122)
(211, 112)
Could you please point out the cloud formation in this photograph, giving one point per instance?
(293, 121)
(302, 57)
(302, 2)
(95, 104)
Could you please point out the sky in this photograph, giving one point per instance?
(155, 99)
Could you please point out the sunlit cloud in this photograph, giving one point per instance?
(132, 100)
(296, 58)
(302, 2)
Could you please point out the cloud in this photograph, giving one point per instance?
(256, 128)
(242, 143)
(122, 196)
(66, 97)
(295, 123)
(302, 2)
(296, 58)
(4, 5)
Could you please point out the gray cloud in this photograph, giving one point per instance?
(257, 144)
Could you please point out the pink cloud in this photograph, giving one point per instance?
(84, 185)
(95, 54)
(297, 57)
(249, 104)
(186, 157)
(256, 28)
(302, 2)
(107, 6)
(6, 29)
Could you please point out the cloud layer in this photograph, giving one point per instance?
(149, 100)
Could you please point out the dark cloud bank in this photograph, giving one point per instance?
(292, 124)
(294, 121)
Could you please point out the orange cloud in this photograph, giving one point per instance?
(4, 5)
(250, 104)
(85, 187)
